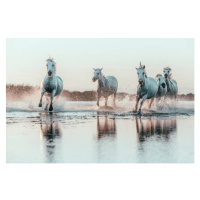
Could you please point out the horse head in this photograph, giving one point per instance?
(161, 80)
(97, 74)
(51, 67)
(141, 74)
(166, 72)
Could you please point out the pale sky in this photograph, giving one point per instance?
(76, 59)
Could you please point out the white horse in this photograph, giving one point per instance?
(162, 87)
(52, 85)
(147, 88)
(172, 87)
(106, 86)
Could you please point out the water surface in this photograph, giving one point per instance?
(99, 137)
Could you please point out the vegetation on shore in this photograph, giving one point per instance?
(18, 92)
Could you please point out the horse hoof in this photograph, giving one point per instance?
(40, 105)
(139, 112)
(50, 108)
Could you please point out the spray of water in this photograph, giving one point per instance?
(29, 103)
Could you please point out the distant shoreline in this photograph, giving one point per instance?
(18, 92)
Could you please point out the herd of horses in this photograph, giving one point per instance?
(148, 87)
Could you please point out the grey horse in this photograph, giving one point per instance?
(147, 88)
(162, 87)
(172, 87)
(106, 85)
(52, 85)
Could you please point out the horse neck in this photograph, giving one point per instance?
(145, 82)
(168, 82)
(160, 88)
(145, 79)
(102, 81)
(159, 85)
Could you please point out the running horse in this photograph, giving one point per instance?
(106, 86)
(172, 87)
(52, 85)
(147, 88)
(162, 87)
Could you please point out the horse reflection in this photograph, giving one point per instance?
(49, 132)
(149, 127)
(106, 126)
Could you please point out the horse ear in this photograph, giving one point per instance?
(140, 63)
(101, 69)
(156, 76)
(136, 68)
(143, 66)
(94, 69)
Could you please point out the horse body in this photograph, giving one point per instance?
(147, 88)
(172, 86)
(162, 88)
(52, 85)
(106, 86)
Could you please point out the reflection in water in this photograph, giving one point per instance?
(149, 127)
(106, 126)
(106, 135)
(89, 138)
(49, 132)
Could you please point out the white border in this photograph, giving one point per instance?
(104, 19)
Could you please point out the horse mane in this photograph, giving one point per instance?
(52, 60)
(158, 75)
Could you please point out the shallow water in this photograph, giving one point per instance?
(97, 136)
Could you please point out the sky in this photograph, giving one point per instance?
(76, 58)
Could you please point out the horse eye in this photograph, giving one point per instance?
(143, 73)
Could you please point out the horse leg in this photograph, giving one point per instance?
(114, 99)
(52, 96)
(98, 97)
(42, 94)
(158, 104)
(174, 101)
(151, 102)
(175, 97)
(137, 101)
(106, 101)
(47, 99)
(143, 100)
(157, 100)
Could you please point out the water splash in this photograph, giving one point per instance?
(61, 105)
